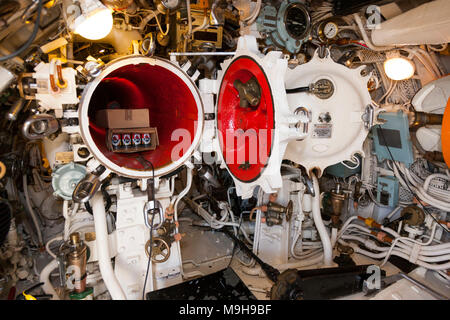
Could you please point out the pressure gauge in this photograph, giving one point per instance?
(170, 4)
(297, 21)
(330, 30)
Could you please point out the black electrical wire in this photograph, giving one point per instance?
(30, 39)
(298, 90)
(405, 217)
(151, 225)
(149, 256)
(106, 194)
(88, 207)
(415, 195)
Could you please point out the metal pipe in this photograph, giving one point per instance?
(216, 17)
(15, 109)
(421, 119)
(424, 287)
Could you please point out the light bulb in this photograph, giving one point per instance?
(95, 22)
(399, 68)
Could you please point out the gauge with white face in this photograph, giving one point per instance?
(330, 30)
(170, 4)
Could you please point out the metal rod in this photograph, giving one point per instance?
(270, 271)
(434, 293)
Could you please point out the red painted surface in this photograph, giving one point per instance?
(170, 103)
(445, 134)
(259, 119)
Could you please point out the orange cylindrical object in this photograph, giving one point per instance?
(445, 134)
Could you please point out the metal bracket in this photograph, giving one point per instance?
(150, 207)
(86, 188)
(39, 126)
(368, 117)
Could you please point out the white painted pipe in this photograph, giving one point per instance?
(104, 260)
(178, 199)
(45, 278)
(188, 6)
(366, 38)
(333, 237)
(324, 237)
(49, 242)
(425, 24)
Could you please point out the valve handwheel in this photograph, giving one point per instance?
(160, 250)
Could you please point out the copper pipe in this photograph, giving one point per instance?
(421, 119)
(61, 82)
(337, 203)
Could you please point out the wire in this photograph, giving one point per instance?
(161, 30)
(30, 39)
(149, 256)
(298, 90)
(356, 163)
(415, 195)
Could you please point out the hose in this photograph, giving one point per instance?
(147, 18)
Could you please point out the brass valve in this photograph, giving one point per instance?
(249, 92)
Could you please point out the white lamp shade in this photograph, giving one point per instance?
(399, 68)
(95, 22)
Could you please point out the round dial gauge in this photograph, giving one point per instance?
(297, 21)
(170, 4)
(330, 30)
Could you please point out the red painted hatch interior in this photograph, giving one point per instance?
(254, 121)
(170, 103)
